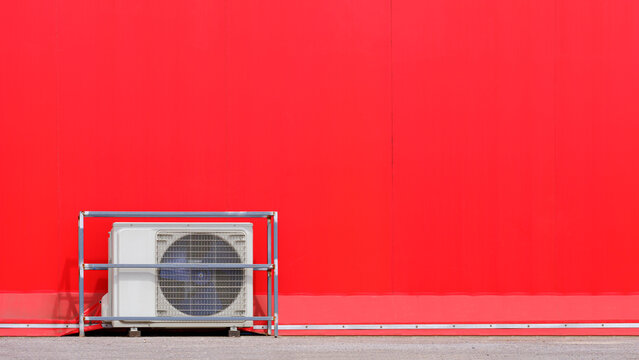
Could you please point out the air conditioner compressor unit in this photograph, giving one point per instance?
(180, 292)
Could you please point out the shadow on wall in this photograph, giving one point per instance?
(51, 306)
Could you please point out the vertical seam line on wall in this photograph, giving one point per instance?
(554, 114)
(227, 197)
(58, 134)
(392, 148)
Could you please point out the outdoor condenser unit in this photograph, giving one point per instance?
(175, 291)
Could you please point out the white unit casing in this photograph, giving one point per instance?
(180, 292)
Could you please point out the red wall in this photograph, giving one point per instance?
(432, 161)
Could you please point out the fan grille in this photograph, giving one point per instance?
(201, 292)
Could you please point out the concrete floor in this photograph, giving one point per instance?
(368, 348)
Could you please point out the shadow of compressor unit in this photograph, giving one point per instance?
(183, 292)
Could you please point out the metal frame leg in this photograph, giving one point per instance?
(276, 270)
(269, 278)
(81, 273)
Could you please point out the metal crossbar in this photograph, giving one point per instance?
(181, 214)
(177, 318)
(271, 268)
(176, 265)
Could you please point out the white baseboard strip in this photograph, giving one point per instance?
(455, 326)
(39, 326)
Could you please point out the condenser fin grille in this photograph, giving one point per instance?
(201, 292)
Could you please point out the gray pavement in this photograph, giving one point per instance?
(361, 347)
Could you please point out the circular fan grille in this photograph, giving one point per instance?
(200, 292)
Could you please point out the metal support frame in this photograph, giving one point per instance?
(271, 267)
